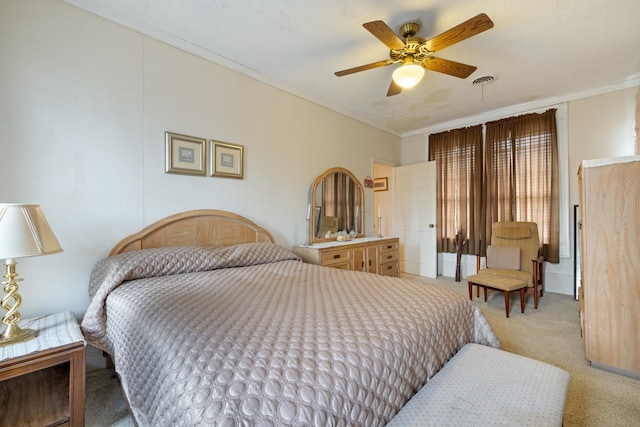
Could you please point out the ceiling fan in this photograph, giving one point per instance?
(415, 53)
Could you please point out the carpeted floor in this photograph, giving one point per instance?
(104, 405)
(551, 334)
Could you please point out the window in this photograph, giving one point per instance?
(458, 156)
(522, 176)
(520, 181)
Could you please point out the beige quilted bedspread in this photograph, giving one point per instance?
(249, 335)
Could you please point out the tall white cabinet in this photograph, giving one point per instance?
(610, 262)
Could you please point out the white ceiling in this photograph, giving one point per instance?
(537, 50)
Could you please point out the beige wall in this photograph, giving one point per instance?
(85, 104)
(383, 200)
(600, 127)
(414, 149)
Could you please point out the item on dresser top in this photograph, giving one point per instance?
(338, 197)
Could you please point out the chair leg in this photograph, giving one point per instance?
(470, 291)
(485, 293)
(506, 302)
(538, 282)
(522, 300)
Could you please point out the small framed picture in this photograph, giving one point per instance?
(381, 184)
(226, 160)
(185, 154)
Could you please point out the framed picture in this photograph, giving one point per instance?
(186, 154)
(381, 184)
(226, 160)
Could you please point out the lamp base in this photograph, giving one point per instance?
(13, 334)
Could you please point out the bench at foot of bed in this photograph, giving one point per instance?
(485, 386)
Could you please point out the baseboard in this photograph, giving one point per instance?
(614, 370)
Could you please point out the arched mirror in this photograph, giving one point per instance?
(338, 198)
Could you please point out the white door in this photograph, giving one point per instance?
(415, 218)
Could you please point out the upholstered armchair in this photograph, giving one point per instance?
(513, 263)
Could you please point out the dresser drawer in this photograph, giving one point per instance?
(387, 257)
(389, 269)
(343, 265)
(335, 257)
(388, 247)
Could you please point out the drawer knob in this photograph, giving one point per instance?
(336, 256)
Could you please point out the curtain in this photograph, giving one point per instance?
(341, 196)
(522, 176)
(458, 157)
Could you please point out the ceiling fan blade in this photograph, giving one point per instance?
(469, 28)
(446, 66)
(384, 34)
(363, 68)
(394, 88)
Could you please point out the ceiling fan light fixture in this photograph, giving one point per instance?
(408, 75)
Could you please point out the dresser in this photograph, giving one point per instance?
(610, 267)
(371, 254)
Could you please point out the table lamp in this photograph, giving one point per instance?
(24, 232)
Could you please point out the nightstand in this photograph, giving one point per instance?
(42, 381)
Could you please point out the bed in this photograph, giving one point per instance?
(209, 322)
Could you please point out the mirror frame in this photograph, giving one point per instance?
(318, 180)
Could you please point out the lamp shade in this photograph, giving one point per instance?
(24, 232)
(408, 75)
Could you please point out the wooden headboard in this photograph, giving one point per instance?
(199, 227)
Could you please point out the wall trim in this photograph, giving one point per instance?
(528, 107)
